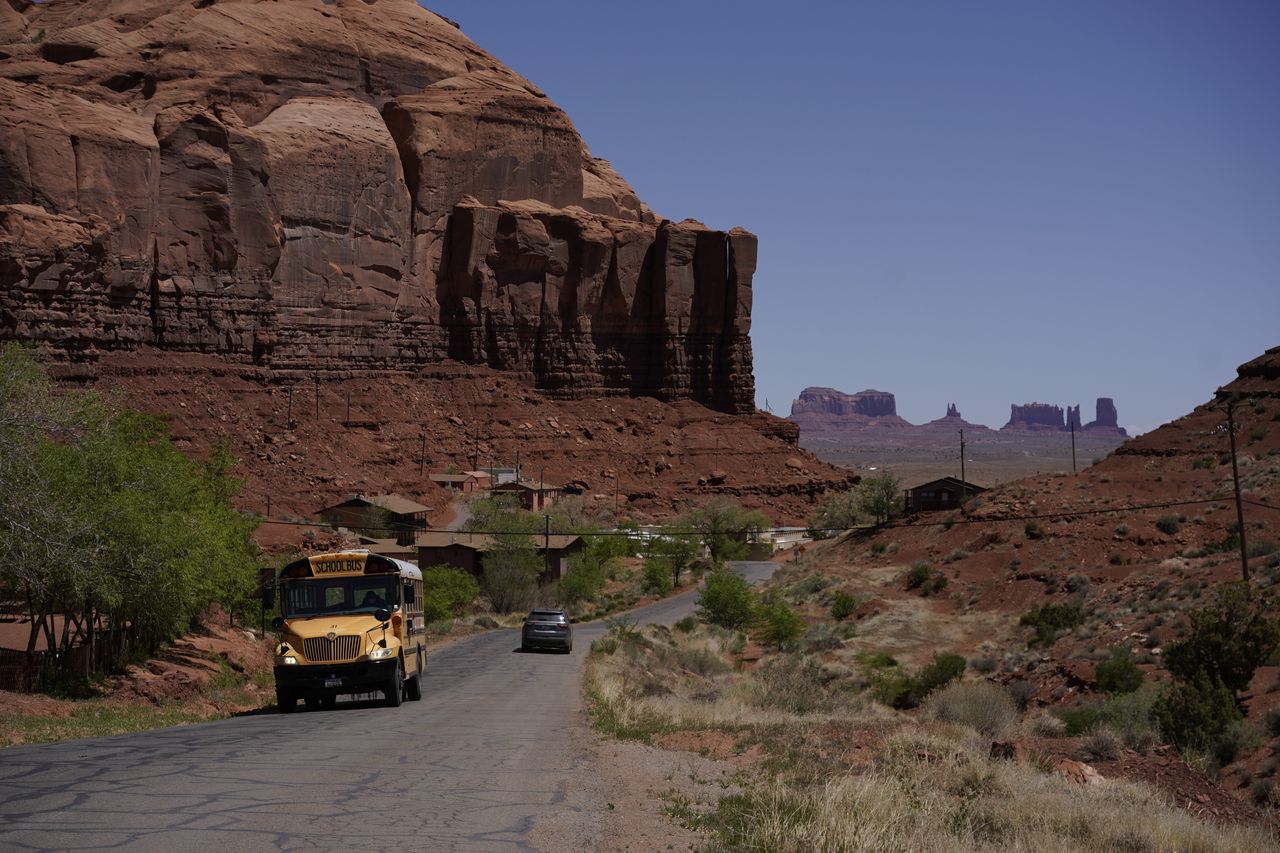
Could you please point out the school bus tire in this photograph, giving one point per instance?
(394, 688)
(286, 700)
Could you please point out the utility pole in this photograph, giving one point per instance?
(615, 493)
(1235, 479)
(422, 459)
(1073, 442)
(348, 420)
(288, 419)
(964, 484)
(546, 542)
(315, 383)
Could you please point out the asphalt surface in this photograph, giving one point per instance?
(493, 747)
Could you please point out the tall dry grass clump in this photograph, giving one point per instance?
(979, 705)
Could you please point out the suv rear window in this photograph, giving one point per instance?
(546, 616)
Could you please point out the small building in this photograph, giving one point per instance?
(467, 551)
(498, 476)
(533, 496)
(378, 515)
(466, 481)
(407, 551)
(945, 493)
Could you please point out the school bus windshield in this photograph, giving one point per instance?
(328, 596)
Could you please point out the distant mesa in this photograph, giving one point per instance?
(818, 409)
(1034, 417)
(1106, 419)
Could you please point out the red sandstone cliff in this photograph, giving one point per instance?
(339, 186)
(823, 409)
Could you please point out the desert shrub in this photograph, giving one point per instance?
(1078, 583)
(1261, 548)
(927, 580)
(485, 622)
(1237, 738)
(1258, 433)
(1119, 674)
(1032, 530)
(1122, 529)
(1103, 745)
(604, 646)
(1021, 692)
(447, 592)
(821, 638)
(843, 605)
(1204, 463)
(955, 556)
(700, 661)
(877, 548)
(1272, 722)
(1229, 639)
(1051, 619)
(1168, 524)
(1195, 713)
(583, 580)
(779, 625)
(985, 664)
(977, 704)
(657, 576)
(726, 600)
(1080, 721)
(1047, 725)
(899, 690)
(795, 685)
(687, 624)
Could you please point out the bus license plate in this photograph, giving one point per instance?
(333, 682)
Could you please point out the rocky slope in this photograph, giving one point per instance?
(337, 187)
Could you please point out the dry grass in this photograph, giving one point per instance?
(931, 785)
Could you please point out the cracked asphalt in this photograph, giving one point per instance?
(493, 749)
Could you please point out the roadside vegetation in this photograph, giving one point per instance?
(854, 728)
(110, 538)
(875, 500)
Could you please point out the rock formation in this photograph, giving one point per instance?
(952, 422)
(952, 411)
(819, 409)
(338, 186)
(1035, 416)
(1105, 419)
(1073, 417)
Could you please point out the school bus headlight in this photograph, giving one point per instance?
(287, 660)
(380, 653)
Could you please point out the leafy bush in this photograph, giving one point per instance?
(836, 511)
(1102, 745)
(927, 580)
(1168, 525)
(1229, 639)
(880, 497)
(726, 600)
(1021, 692)
(657, 577)
(980, 705)
(1051, 619)
(780, 626)
(510, 574)
(985, 664)
(899, 690)
(723, 528)
(1195, 713)
(1119, 674)
(843, 605)
(583, 580)
(447, 592)
(1033, 530)
(687, 624)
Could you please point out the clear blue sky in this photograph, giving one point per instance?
(982, 203)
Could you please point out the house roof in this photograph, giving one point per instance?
(452, 478)
(529, 485)
(954, 482)
(397, 504)
(484, 542)
(386, 546)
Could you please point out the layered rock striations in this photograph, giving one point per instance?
(341, 186)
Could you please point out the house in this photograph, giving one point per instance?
(498, 476)
(945, 493)
(467, 551)
(406, 551)
(467, 481)
(533, 496)
(378, 515)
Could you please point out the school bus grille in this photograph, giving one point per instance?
(324, 650)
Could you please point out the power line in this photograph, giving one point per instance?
(893, 525)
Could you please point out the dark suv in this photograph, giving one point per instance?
(546, 629)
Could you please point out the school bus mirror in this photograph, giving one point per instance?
(382, 614)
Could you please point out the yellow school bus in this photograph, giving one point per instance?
(350, 622)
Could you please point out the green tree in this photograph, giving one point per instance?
(447, 592)
(880, 497)
(1119, 674)
(657, 576)
(676, 549)
(780, 626)
(726, 600)
(725, 528)
(1229, 639)
(837, 511)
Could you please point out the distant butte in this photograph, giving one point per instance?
(822, 409)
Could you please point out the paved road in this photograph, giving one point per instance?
(493, 747)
